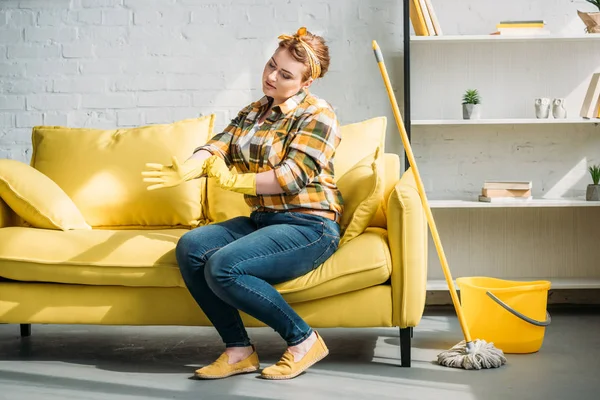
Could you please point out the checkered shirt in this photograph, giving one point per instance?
(298, 141)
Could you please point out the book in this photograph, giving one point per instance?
(523, 22)
(508, 185)
(504, 199)
(523, 31)
(506, 192)
(427, 18)
(590, 102)
(526, 25)
(598, 108)
(434, 20)
(417, 18)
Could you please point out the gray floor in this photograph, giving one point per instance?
(92, 362)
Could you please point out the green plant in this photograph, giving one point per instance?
(594, 2)
(595, 172)
(471, 96)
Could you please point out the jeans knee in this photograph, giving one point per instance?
(182, 253)
(218, 271)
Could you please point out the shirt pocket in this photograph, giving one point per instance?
(273, 149)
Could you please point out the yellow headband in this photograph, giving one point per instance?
(313, 60)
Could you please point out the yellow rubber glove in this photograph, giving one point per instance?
(242, 183)
(164, 176)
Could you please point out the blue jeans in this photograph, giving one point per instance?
(232, 265)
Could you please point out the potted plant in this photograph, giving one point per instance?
(591, 19)
(471, 104)
(593, 190)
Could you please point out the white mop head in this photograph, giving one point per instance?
(476, 355)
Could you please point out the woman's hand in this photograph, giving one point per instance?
(215, 167)
(164, 176)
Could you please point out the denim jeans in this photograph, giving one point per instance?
(232, 265)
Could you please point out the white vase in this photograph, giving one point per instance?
(558, 109)
(542, 107)
(471, 111)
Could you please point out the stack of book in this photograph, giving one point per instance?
(591, 103)
(522, 28)
(423, 18)
(505, 191)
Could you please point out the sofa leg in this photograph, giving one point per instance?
(405, 336)
(25, 330)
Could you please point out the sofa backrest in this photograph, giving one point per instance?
(101, 171)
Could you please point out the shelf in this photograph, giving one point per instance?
(508, 121)
(556, 283)
(499, 38)
(518, 203)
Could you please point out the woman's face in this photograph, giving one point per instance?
(282, 76)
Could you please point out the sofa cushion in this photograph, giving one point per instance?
(37, 199)
(362, 263)
(7, 215)
(100, 170)
(94, 257)
(391, 162)
(362, 190)
(359, 140)
(147, 258)
(222, 205)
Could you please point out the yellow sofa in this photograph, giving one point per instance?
(121, 269)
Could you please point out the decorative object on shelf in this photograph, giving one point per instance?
(593, 190)
(591, 19)
(542, 107)
(471, 105)
(558, 109)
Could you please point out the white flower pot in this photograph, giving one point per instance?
(471, 111)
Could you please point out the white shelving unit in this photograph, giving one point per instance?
(548, 239)
(501, 39)
(507, 121)
(518, 203)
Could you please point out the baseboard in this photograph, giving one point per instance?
(555, 297)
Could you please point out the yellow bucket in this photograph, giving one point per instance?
(511, 314)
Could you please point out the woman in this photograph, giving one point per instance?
(282, 147)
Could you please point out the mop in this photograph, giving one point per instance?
(467, 354)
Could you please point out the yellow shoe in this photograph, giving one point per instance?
(287, 368)
(222, 369)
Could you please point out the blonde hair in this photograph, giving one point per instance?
(309, 49)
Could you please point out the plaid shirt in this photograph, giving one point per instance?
(298, 140)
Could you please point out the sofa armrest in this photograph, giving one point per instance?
(7, 215)
(408, 238)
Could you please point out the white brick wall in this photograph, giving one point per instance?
(110, 63)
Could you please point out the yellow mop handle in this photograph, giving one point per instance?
(413, 165)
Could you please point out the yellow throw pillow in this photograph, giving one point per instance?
(101, 170)
(362, 190)
(37, 199)
(359, 140)
(222, 204)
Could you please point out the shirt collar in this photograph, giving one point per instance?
(293, 102)
(285, 107)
